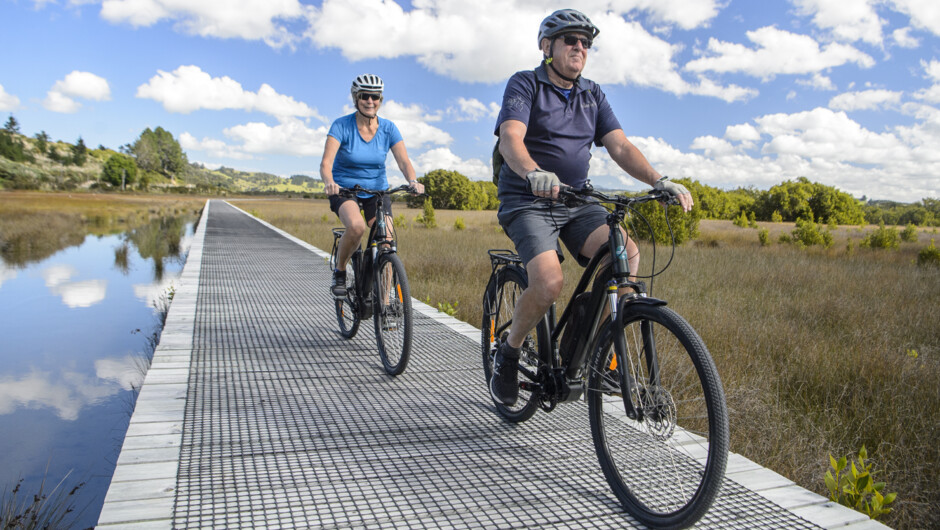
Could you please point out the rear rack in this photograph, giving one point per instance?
(503, 256)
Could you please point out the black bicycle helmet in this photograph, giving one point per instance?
(564, 21)
(367, 83)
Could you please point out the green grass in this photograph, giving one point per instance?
(35, 225)
(821, 350)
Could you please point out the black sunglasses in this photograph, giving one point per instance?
(373, 97)
(571, 40)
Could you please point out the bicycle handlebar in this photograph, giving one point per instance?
(568, 194)
(350, 192)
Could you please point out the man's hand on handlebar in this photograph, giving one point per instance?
(676, 190)
(543, 183)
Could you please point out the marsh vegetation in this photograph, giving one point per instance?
(821, 349)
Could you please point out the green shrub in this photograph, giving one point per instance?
(929, 255)
(427, 218)
(741, 220)
(444, 307)
(447, 307)
(909, 234)
(809, 233)
(776, 217)
(683, 226)
(459, 224)
(764, 236)
(883, 237)
(857, 488)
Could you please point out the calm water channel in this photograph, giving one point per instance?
(76, 332)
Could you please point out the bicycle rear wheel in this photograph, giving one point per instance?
(666, 463)
(392, 315)
(347, 309)
(499, 302)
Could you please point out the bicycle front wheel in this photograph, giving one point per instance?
(658, 417)
(499, 303)
(347, 311)
(392, 314)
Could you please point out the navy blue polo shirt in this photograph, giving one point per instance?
(559, 131)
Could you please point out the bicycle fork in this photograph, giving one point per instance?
(629, 387)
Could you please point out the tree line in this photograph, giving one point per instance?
(157, 154)
(154, 154)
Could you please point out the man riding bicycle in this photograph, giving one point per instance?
(548, 120)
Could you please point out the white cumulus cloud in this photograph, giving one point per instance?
(465, 41)
(472, 109)
(76, 85)
(903, 38)
(289, 137)
(264, 20)
(776, 52)
(414, 123)
(847, 20)
(866, 100)
(931, 94)
(8, 101)
(825, 134)
(188, 88)
(924, 13)
(442, 157)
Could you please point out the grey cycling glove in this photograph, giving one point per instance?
(542, 181)
(674, 188)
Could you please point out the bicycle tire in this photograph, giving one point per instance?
(347, 310)
(499, 301)
(666, 466)
(392, 316)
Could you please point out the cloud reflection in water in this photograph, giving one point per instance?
(68, 392)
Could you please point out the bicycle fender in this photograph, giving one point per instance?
(625, 301)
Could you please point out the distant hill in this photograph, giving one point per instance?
(25, 164)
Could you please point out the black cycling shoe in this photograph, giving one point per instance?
(339, 284)
(504, 386)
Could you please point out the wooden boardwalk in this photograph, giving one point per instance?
(256, 413)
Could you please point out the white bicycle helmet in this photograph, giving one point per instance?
(563, 21)
(367, 83)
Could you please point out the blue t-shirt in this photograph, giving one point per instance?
(559, 130)
(358, 161)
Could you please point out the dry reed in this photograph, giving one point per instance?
(820, 350)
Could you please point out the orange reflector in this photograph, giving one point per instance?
(492, 330)
(613, 363)
(398, 288)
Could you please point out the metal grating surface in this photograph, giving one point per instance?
(289, 425)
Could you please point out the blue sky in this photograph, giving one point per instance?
(731, 93)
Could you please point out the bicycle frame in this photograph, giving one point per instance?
(611, 277)
(377, 242)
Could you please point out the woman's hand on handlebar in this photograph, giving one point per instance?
(331, 188)
(417, 188)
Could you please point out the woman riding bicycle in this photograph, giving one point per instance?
(356, 147)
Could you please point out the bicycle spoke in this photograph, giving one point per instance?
(663, 446)
(500, 302)
(392, 317)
